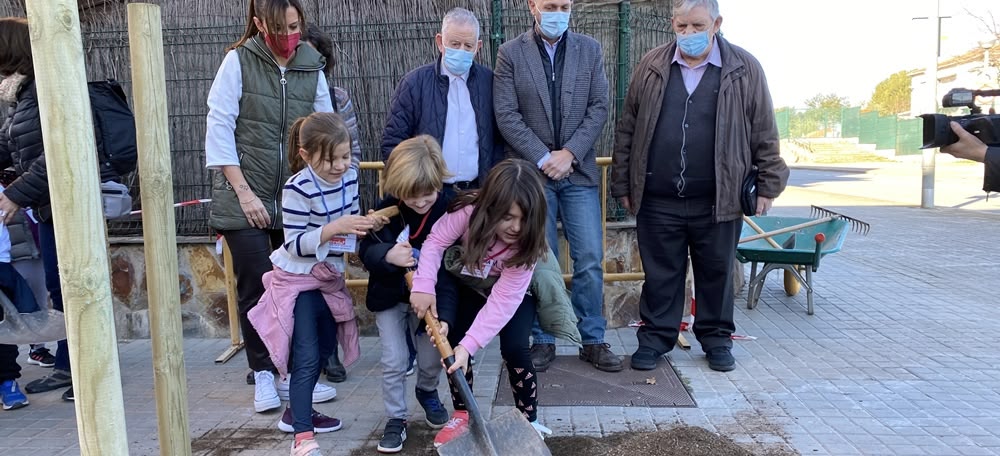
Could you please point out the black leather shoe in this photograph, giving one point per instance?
(645, 359)
(601, 357)
(720, 359)
(542, 356)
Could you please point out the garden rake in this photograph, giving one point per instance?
(826, 216)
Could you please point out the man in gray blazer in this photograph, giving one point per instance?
(550, 97)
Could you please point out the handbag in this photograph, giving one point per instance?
(748, 193)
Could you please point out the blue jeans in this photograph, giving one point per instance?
(50, 262)
(579, 208)
(313, 324)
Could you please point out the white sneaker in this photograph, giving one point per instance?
(265, 396)
(321, 392)
(542, 430)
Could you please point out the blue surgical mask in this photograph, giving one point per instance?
(553, 25)
(458, 61)
(693, 45)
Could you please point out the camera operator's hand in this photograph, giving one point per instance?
(968, 146)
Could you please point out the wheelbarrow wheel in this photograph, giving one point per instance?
(791, 284)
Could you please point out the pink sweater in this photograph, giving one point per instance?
(507, 293)
(272, 317)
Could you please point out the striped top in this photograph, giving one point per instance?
(307, 203)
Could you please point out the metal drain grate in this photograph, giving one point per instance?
(569, 381)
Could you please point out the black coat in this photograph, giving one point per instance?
(387, 282)
(21, 146)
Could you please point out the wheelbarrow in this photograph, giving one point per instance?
(797, 250)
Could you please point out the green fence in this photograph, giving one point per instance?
(850, 122)
(904, 136)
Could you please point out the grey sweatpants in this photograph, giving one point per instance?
(392, 327)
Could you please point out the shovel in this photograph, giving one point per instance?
(507, 434)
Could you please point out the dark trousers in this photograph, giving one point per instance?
(313, 326)
(251, 249)
(668, 229)
(515, 348)
(19, 293)
(50, 262)
(9, 369)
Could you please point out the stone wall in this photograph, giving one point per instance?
(203, 296)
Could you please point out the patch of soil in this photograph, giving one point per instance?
(229, 442)
(678, 441)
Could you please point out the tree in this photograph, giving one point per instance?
(892, 95)
(822, 114)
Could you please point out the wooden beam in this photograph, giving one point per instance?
(149, 90)
(74, 189)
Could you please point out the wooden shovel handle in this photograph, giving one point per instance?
(789, 229)
(388, 212)
(444, 348)
(760, 230)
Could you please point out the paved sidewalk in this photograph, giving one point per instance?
(899, 359)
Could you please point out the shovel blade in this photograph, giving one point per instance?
(510, 433)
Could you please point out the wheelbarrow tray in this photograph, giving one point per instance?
(804, 250)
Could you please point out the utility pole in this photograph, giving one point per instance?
(932, 44)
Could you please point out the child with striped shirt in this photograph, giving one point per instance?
(306, 291)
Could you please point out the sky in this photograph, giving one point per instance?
(847, 47)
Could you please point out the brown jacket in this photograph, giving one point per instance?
(746, 133)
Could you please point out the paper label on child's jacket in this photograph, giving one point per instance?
(479, 273)
(344, 243)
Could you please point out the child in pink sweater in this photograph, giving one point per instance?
(501, 229)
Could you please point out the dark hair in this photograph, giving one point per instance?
(323, 44)
(15, 53)
(320, 132)
(512, 181)
(272, 15)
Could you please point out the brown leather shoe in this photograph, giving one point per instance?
(542, 356)
(601, 356)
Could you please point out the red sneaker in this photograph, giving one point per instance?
(456, 426)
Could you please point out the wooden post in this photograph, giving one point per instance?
(74, 189)
(149, 92)
(235, 336)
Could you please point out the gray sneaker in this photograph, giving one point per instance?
(393, 436)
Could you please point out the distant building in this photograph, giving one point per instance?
(975, 69)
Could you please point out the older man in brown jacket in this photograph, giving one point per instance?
(697, 119)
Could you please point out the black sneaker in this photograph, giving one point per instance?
(542, 356)
(434, 412)
(393, 436)
(645, 359)
(68, 396)
(720, 359)
(41, 357)
(57, 379)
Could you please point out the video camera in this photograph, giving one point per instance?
(937, 132)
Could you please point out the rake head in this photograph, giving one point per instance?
(857, 226)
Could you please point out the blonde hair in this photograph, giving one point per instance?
(319, 133)
(415, 168)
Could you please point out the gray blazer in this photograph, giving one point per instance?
(523, 108)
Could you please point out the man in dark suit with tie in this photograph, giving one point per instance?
(550, 97)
